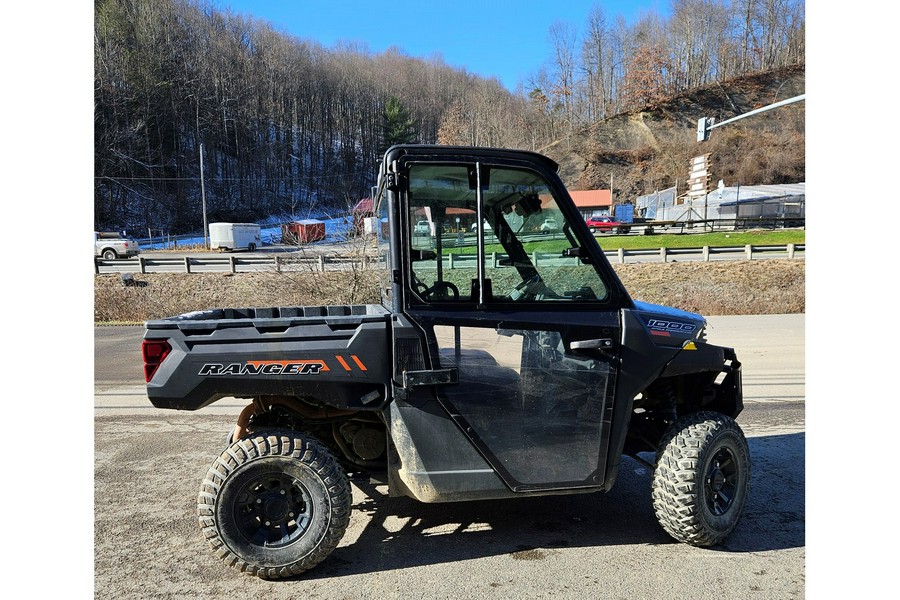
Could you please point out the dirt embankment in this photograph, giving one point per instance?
(715, 288)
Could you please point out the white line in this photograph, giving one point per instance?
(466, 471)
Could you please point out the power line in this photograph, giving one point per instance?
(244, 179)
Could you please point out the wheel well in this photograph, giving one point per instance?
(669, 398)
(357, 438)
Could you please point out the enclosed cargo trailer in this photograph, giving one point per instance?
(234, 236)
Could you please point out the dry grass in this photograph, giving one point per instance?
(715, 288)
(721, 288)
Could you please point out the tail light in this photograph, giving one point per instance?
(154, 353)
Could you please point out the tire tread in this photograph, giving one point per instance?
(288, 444)
(677, 478)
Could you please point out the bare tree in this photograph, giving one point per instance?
(288, 126)
(597, 65)
(697, 28)
(562, 68)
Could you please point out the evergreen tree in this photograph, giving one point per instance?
(398, 126)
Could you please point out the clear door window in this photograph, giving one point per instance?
(531, 253)
(536, 408)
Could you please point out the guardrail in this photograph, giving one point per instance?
(321, 263)
(730, 224)
(707, 253)
(226, 264)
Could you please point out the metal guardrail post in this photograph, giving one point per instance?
(621, 255)
(790, 250)
(705, 253)
(322, 263)
(277, 264)
(450, 263)
(187, 264)
(96, 265)
(749, 251)
(493, 260)
(662, 254)
(233, 264)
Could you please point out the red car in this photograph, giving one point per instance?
(606, 224)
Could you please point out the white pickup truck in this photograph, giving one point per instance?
(111, 245)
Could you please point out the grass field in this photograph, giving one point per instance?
(778, 237)
(698, 240)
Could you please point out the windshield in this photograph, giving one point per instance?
(517, 244)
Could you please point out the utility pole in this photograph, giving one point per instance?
(707, 124)
(612, 200)
(203, 201)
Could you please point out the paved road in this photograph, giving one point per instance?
(148, 465)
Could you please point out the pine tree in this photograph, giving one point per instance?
(398, 126)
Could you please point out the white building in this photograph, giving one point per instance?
(745, 206)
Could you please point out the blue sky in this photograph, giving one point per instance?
(507, 39)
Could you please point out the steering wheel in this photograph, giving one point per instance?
(526, 288)
(420, 287)
(441, 291)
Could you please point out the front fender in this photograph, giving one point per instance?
(721, 365)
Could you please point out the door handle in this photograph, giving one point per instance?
(598, 344)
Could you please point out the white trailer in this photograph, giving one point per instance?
(234, 236)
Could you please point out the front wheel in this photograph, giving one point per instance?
(701, 478)
(274, 504)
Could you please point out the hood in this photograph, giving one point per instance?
(670, 322)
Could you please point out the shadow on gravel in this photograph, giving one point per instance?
(403, 533)
(147, 471)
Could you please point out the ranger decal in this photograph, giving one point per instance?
(266, 367)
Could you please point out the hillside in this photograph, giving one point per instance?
(650, 149)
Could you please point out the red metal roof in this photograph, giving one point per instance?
(591, 198)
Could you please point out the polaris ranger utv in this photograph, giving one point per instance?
(504, 361)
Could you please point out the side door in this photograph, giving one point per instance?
(527, 315)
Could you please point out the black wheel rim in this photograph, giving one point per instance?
(273, 510)
(721, 482)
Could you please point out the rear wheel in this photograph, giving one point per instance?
(251, 247)
(274, 504)
(701, 478)
(110, 254)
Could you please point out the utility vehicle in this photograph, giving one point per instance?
(496, 366)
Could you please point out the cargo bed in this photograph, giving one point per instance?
(338, 355)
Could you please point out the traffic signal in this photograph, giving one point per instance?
(704, 124)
